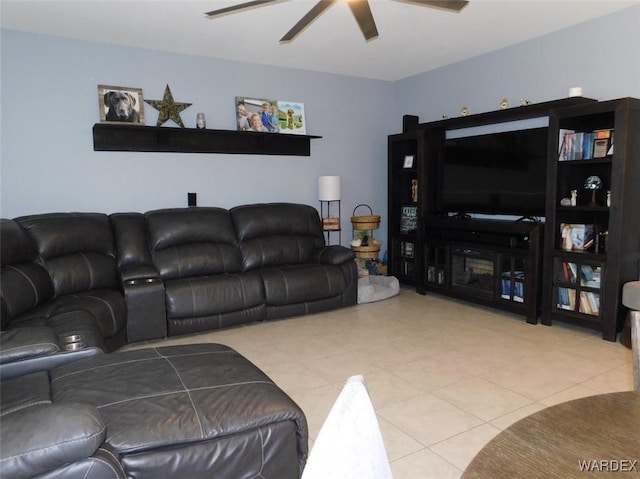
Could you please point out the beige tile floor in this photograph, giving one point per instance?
(444, 376)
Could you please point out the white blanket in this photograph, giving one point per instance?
(349, 444)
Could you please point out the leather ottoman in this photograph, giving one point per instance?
(193, 411)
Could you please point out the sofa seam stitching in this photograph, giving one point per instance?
(131, 361)
(31, 283)
(70, 441)
(179, 391)
(186, 389)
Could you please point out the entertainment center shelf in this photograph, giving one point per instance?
(584, 275)
(534, 110)
(585, 189)
(491, 262)
(114, 137)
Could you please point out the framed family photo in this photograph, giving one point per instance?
(120, 104)
(257, 114)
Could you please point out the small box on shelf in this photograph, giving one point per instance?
(409, 219)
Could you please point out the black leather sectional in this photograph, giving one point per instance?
(76, 286)
(128, 277)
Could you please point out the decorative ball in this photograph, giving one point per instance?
(593, 183)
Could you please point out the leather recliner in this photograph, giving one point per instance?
(284, 245)
(198, 269)
(195, 254)
(71, 275)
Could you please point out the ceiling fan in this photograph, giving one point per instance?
(360, 9)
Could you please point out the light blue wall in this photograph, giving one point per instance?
(49, 105)
(601, 56)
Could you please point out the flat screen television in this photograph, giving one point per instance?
(497, 173)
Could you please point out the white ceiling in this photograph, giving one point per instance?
(412, 38)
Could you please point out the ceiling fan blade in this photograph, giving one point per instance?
(364, 17)
(454, 5)
(305, 21)
(240, 6)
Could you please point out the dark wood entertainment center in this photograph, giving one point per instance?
(495, 263)
(521, 264)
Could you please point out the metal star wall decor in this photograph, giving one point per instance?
(169, 108)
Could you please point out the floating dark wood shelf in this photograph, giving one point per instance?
(114, 137)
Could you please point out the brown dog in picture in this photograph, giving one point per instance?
(121, 106)
(290, 120)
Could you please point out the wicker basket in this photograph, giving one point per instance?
(368, 222)
(366, 252)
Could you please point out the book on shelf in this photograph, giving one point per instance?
(407, 268)
(576, 237)
(431, 274)
(512, 291)
(589, 303)
(569, 271)
(566, 299)
(435, 275)
(406, 249)
(584, 145)
(589, 275)
(408, 219)
(414, 190)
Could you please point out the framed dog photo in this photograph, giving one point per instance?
(292, 118)
(121, 104)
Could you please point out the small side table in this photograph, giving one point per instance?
(576, 439)
(330, 224)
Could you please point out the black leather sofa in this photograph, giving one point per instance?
(129, 277)
(77, 286)
(222, 267)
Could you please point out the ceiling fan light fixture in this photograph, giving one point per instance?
(360, 9)
(455, 6)
(305, 21)
(364, 17)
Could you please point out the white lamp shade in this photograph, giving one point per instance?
(329, 188)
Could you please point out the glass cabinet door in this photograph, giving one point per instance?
(512, 276)
(473, 271)
(577, 286)
(435, 263)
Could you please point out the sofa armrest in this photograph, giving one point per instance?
(138, 273)
(20, 344)
(146, 310)
(30, 349)
(333, 255)
(66, 433)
